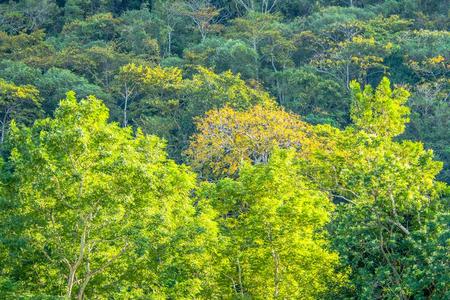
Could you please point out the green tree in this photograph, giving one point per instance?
(55, 82)
(390, 198)
(202, 13)
(224, 55)
(381, 112)
(17, 102)
(425, 60)
(31, 49)
(267, 36)
(312, 95)
(52, 84)
(171, 26)
(426, 53)
(274, 223)
(430, 120)
(98, 63)
(91, 210)
(385, 227)
(357, 58)
(140, 34)
(100, 27)
(28, 16)
(236, 56)
(82, 9)
(19, 72)
(352, 43)
(387, 263)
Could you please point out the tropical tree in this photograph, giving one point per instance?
(223, 55)
(28, 15)
(266, 35)
(99, 27)
(262, 6)
(381, 112)
(89, 209)
(31, 49)
(430, 117)
(202, 13)
(389, 198)
(274, 221)
(55, 82)
(226, 138)
(99, 63)
(140, 33)
(17, 102)
(315, 97)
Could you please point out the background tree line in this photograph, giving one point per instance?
(304, 53)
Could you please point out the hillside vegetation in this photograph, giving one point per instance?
(224, 149)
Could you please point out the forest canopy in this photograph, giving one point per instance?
(212, 149)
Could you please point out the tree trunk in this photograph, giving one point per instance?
(347, 76)
(241, 287)
(73, 269)
(169, 47)
(5, 119)
(83, 288)
(125, 107)
(276, 279)
(203, 33)
(70, 282)
(255, 48)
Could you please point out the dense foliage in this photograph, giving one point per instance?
(212, 149)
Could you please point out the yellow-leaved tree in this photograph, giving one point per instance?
(226, 138)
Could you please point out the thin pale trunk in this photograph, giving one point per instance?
(5, 119)
(3, 132)
(276, 279)
(73, 269)
(83, 288)
(241, 287)
(125, 107)
(203, 33)
(70, 282)
(169, 48)
(256, 59)
(347, 76)
(274, 3)
(277, 82)
(90, 274)
(276, 264)
(280, 92)
(265, 6)
(273, 64)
